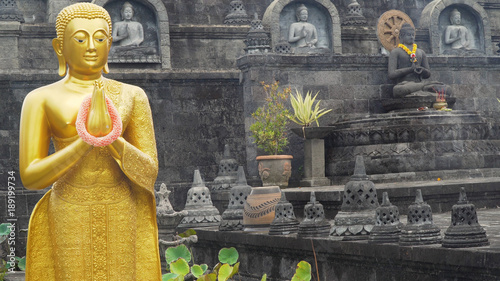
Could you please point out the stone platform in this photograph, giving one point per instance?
(439, 194)
(277, 256)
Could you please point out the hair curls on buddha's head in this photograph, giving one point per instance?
(83, 11)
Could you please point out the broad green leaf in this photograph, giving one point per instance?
(224, 272)
(21, 263)
(169, 277)
(187, 233)
(204, 267)
(174, 253)
(217, 266)
(197, 271)
(180, 267)
(303, 272)
(4, 229)
(264, 277)
(236, 268)
(208, 277)
(228, 255)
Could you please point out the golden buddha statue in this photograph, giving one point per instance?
(98, 221)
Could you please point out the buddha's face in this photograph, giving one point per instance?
(456, 19)
(303, 15)
(86, 45)
(407, 37)
(128, 13)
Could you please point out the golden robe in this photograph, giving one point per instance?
(98, 222)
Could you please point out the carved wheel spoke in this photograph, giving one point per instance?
(388, 28)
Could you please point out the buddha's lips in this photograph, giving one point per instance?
(90, 57)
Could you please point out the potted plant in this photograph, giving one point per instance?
(306, 112)
(269, 131)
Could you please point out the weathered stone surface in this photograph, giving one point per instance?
(200, 211)
(314, 223)
(465, 230)
(232, 218)
(284, 222)
(387, 227)
(420, 228)
(357, 216)
(228, 171)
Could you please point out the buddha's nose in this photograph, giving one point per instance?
(91, 46)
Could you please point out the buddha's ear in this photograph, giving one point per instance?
(57, 45)
(106, 66)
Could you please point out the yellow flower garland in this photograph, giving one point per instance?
(413, 56)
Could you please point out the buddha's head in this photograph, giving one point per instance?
(407, 34)
(455, 17)
(301, 13)
(127, 11)
(83, 39)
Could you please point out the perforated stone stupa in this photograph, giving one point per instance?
(465, 230)
(284, 222)
(201, 211)
(357, 216)
(387, 227)
(232, 218)
(228, 171)
(314, 223)
(420, 228)
(258, 41)
(238, 14)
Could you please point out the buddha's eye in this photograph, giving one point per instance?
(80, 37)
(99, 39)
(100, 36)
(79, 40)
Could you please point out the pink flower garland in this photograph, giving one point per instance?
(81, 128)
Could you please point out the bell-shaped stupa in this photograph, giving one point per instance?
(201, 211)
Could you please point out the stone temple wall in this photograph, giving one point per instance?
(203, 81)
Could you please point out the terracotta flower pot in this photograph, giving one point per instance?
(275, 169)
(260, 207)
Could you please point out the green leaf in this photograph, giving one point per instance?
(5, 229)
(264, 277)
(197, 271)
(228, 255)
(174, 253)
(180, 267)
(21, 263)
(169, 277)
(236, 269)
(208, 277)
(187, 233)
(225, 272)
(204, 267)
(303, 272)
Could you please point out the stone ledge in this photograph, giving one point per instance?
(357, 260)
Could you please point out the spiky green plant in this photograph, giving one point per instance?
(305, 111)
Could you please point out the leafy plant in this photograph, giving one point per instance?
(305, 111)
(271, 120)
(303, 272)
(178, 259)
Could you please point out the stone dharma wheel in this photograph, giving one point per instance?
(388, 27)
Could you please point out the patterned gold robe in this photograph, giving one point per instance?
(98, 222)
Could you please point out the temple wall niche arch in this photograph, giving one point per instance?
(278, 16)
(156, 28)
(436, 17)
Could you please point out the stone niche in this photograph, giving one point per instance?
(281, 14)
(151, 17)
(473, 30)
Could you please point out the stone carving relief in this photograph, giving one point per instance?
(316, 31)
(457, 27)
(135, 33)
(462, 33)
(306, 27)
